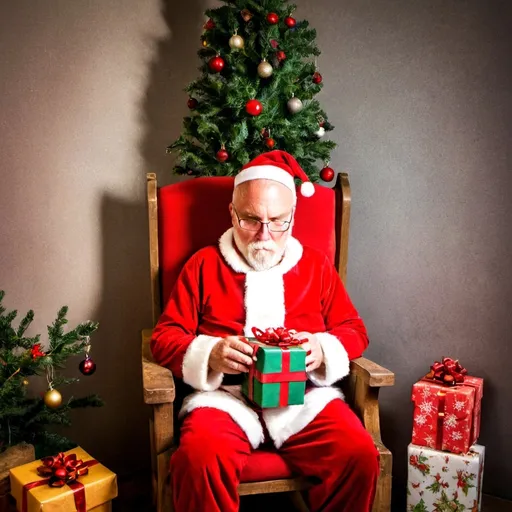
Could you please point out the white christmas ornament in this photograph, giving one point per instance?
(295, 105)
(265, 69)
(320, 132)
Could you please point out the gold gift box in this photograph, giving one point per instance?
(100, 487)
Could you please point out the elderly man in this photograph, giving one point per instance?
(260, 276)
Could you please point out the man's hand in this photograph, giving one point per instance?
(231, 355)
(315, 354)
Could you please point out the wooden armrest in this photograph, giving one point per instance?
(158, 383)
(372, 373)
(361, 390)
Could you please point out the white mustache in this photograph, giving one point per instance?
(268, 245)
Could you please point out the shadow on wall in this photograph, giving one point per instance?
(124, 310)
(125, 307)
(174, 66)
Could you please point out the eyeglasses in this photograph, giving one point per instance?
(276, 226)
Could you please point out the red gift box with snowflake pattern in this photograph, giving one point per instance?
(447, 417)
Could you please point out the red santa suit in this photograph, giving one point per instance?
(219, 294)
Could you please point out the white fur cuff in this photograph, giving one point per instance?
(196, 372)
(336, 362)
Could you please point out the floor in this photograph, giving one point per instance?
(135, 496)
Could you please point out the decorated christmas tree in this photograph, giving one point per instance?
(24, 415)
(256, 93)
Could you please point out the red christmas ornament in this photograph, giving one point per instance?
(317, 77)
(254, 107)
(209, 25)
(272, 18)
(270, 143)
(290, 22)
(216, 64)
(327, 174)
(274, 43)
(222, 155)
(87, 366)
(192, 103)
(280, 55)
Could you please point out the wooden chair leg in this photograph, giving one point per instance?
(298, 502)
(164, 485)
(382, 501)
(154, 470)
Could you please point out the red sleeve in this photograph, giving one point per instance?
(177, 326)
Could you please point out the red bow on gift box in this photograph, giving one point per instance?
(449, 371)
(279, 337)
(62, 469)
(58, 471)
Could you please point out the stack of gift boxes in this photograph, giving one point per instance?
(445, 463)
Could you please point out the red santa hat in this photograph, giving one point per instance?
(278, 166)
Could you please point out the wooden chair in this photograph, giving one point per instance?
(195, 213)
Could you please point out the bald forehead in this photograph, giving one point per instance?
(263, 190)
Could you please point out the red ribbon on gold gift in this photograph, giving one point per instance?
(283, 338)
(58, 471)
(449, 372)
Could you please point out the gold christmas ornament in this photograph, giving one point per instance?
(236, 42)
(265, 69)
(25, 382)
(205, 43)
(52, 398)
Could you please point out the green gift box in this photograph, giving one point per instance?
(278, 377)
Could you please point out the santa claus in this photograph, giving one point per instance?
(260, 276)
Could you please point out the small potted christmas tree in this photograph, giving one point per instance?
(25, 416)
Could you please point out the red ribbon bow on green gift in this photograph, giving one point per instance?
(449, 371)
(279, 337)
(62, 469)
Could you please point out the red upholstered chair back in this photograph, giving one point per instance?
(186, 216)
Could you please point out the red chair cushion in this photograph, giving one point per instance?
(194, 213)
(265, 465)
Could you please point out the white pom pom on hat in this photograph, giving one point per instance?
(278, 166)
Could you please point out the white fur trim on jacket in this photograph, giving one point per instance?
(282, 423)
(337, 364)
(292, 255)
(264, 301)
(196, 372)
(244, 416)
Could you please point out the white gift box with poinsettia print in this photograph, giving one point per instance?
(445, 482)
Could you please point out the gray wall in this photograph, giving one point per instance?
(91, 94)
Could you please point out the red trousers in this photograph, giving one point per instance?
(335, 448)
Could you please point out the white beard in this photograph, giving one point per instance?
(262, 255)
